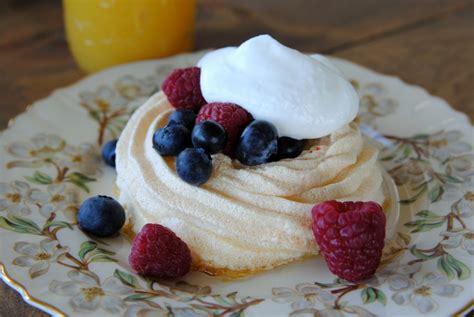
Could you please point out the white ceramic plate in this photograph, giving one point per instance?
(49, 164)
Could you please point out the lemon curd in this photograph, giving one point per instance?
(102, 33)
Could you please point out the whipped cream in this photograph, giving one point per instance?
(304, 97)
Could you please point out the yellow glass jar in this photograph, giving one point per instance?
(102, 33)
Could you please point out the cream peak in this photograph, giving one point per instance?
(304, 97)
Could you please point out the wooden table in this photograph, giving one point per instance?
(425, 42)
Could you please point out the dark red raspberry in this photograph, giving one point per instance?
(232, 117)
(351, 237)
(183, 89)
(157, 252)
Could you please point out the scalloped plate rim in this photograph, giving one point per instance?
(23, 291)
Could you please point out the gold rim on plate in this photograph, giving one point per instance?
(26, 295)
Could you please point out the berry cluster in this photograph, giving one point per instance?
(193, 144)
(197, 130)
(156, 250)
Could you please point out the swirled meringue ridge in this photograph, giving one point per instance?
(244, 219)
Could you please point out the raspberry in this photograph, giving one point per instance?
(157, 252)
(231, 116)
(183, 89)
(350, 236)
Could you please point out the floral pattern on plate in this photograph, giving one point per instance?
(46, 175)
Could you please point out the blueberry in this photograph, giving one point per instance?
(101, 215)
(108, 152)
(289, 148)
(185, 117)
(210, 136)
(257, 144)
(171, 140)
(194, 166)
